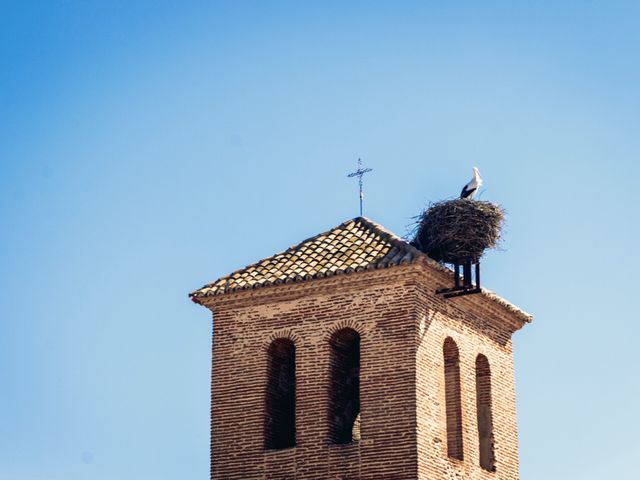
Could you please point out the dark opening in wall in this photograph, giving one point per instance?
(280, 408)
(344, 395)
(453, 399)
(485, 416)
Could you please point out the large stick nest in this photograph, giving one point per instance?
(455, 231)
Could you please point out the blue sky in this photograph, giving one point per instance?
(149, 147)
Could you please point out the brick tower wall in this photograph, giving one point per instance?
(381, 306)
(403, 326)
(478, 327)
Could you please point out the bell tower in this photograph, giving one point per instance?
(337, 359)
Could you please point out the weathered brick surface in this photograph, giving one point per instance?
(402, 326)
(477, 326)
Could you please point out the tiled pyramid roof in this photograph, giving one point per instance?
(355, 245)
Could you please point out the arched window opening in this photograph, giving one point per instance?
(453, 399)
(280, 411)
(344, 395)
(485, 417)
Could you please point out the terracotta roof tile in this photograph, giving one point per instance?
(354, 245)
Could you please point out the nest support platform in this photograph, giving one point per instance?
(463, 285)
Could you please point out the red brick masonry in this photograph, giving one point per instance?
(403, 326)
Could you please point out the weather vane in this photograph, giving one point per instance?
(359, 173)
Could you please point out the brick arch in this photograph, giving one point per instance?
(284, 333)
(280, 395)
(344, 387)
(342, 325)
(484, 414)
(453, 399)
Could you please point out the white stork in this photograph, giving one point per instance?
(471, 189)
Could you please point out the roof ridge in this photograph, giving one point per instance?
(389, 235)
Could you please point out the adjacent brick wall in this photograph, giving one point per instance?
(477, 326)
(402, 327)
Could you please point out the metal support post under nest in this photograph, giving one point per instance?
(467, 287)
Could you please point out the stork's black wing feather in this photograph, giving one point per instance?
(466, 192)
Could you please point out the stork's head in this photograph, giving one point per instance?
(476, 173)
